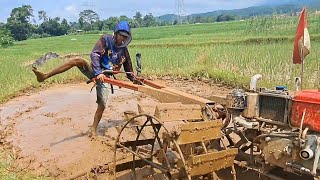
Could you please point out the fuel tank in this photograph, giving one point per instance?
(308, 101)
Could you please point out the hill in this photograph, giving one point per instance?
(269, 8)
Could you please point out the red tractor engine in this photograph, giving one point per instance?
(273, 129)
(306, 102)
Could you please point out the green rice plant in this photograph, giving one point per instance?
(225, 51)
(6, 174)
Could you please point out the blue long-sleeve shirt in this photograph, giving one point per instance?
(105, 55)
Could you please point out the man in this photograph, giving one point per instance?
(109, 53)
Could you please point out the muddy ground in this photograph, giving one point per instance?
(46, 132)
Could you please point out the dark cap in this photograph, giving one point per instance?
(124, 33)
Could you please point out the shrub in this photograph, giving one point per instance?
(37, 36)
(6, 40)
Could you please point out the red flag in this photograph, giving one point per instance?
(302, 40)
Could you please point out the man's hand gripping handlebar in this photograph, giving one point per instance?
(103, 76)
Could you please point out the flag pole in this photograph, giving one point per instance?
(302, 56)
(318, 83)
(301, 46)
(302, 65)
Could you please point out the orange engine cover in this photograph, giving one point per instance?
(308, 100)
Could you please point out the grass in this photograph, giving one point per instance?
(228, 52)
(5, 174)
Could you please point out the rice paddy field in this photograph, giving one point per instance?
(226, 52)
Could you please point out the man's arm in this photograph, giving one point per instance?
(127, 65)
(96, 53)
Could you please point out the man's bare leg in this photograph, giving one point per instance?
(79, 62)
(97, 118)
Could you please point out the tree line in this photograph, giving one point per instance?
(22, 25)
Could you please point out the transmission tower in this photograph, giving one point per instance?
(180, 10)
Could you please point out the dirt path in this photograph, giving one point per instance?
(46, 131)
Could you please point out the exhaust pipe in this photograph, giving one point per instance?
(306, 153)
(253, 82)
(138, 59)
(298, 83)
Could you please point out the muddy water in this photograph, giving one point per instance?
(46, 131)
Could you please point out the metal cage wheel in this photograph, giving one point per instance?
(156, 157)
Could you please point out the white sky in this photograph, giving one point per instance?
(70, 9)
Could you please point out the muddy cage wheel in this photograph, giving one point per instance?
(142, 154)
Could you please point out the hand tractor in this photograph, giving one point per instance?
(189, 137)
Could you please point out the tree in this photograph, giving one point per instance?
(18, 22)
(65, 26)
(54, 28)
(57, 19)
(189, 19)
(124, 18)
(225, 17)
(42, 15)
(111, 22)
(210, 19)
(164, 23)
(138, 19)
(81, 22)
(133, 23)
(73, 25)
(98, 25)
(198, 19)
(87, 20)
(149, 20)
(88, 16)
(21, 14)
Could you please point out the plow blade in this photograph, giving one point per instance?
(211, 162)
(128, 165)
(199, 132)
(178, 112)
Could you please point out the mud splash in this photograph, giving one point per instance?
(46, 131)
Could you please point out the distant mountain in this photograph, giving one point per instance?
(298, 2)
(269, 8)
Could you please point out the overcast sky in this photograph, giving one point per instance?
(70, 9)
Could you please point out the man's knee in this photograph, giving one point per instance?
(79, 62)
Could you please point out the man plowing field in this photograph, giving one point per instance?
(109, 53)
(182, 139)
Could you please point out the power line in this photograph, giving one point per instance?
(180, 10)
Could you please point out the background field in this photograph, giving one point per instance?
(228, 52)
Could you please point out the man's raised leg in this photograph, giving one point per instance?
(79, 62)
